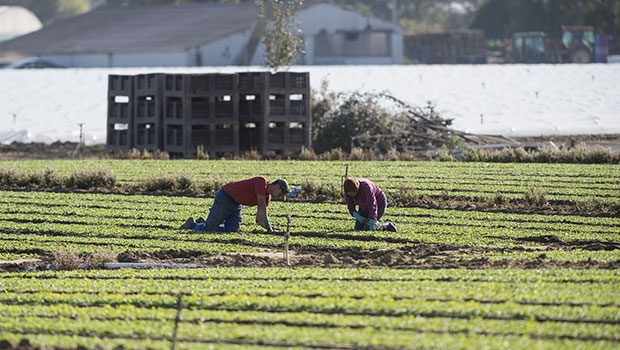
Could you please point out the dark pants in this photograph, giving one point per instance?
(224, 210)
(380, 211)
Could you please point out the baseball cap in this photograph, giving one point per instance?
(283, 185)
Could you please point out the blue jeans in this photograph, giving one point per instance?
(380, 211)
(225, 210)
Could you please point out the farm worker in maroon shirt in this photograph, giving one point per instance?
(232, 197)
(371, 202)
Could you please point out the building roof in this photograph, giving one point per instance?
(136, 29)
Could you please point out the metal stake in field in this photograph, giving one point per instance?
(287, 235)
(346, 173)
(177, 320)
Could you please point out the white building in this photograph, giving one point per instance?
(16, 21)
(204, 35)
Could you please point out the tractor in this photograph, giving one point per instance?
(575, 46)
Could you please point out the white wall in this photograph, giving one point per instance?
(111, 60)
(80, 60)
(152, 59)
(332, 19)
(222, 52)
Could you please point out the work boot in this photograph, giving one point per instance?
(386, 226)
(188, 225)
(201, 220)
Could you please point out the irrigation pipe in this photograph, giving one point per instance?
(124, 266)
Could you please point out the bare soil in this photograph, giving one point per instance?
(56, 150)
(419, 257)
(429, 256)
(67, 150)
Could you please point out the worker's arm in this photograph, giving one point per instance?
(350, 204)
(261, 213)
(372, 212)
(372, 208)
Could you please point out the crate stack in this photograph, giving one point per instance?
(147, 126)
(274, 112)
(120, 113)
(173, 96)
(222, 113)
(211, 119)
(287, 116)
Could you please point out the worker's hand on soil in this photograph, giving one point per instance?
(359, 217)
(267, 225)
(262, 221)
(371, 225)
(260, 218)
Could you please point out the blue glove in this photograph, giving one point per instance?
(294, 192)
(268, 225)
(371, 225)
(359, 217)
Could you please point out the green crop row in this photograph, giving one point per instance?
(385, 306)
(560, 181)
(575, 293)
(445, 275)
(137, 234)
(131, 170)
(313, 307)
(88, 222)
(314, 218)
(200, 335)
(139, 205)
(576, 255)
(156, 208)
(413, 323)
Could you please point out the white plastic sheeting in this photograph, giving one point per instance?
(512, 100)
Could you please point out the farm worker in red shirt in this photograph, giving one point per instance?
(232, 197)
(371, 202)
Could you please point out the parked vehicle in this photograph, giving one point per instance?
(33, 62)
(577, 45)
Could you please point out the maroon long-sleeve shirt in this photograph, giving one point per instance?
(368, 198)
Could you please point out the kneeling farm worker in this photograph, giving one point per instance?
(371, 202)
(229, 200)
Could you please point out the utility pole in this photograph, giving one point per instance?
(394, 11)
(80, 146)
(81, 141)
(93, 4)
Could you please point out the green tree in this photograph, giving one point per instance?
(282, 37)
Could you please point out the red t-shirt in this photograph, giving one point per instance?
(244, 192)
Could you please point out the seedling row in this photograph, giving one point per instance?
(91, 222)
(342, 309)
(571, 182)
